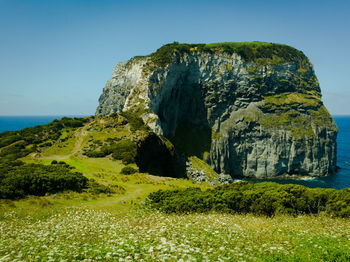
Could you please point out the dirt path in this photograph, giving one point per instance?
(10, 145)
(80, 134)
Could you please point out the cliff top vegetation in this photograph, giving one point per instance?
(249, 51)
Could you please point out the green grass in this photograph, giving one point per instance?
(107, 172)
(299, 125)
(259, 52)
(282, 111)
(62, 148)
(77, 226)
(87, 166)
(287, 101)
(103, 135)
(78, 233)
(103, 170)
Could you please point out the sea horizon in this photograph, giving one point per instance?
(14, 123)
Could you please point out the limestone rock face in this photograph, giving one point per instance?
(246, 109)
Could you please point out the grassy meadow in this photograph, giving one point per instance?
(70, 226)
(120, 226)
(42, 230)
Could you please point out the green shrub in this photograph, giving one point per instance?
(16, 151)
(124, 150)
(259, 198)
(135, 121)
(128, 170)
(19, 180)
(49, 143)
(93, 153)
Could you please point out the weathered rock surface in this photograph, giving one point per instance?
(246, 109)
(199, 175)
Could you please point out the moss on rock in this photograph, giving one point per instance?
(259, 52)
(287, 101)
(200, 165)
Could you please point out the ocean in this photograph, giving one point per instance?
(12, 123)
(339, 180)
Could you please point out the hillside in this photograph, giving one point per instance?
(113, 219)
(106, 149)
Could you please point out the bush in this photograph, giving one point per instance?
(135, 121)
(125, 150)
(93, 153)
(18, 180)
(48, 143)
(54, 162)
(259, 198)
(128, 170)
(16, 151)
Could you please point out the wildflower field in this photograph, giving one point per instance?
(112, 215)
(138, 234)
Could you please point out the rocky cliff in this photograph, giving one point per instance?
(247, 109)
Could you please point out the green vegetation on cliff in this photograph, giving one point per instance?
(200, 165)
(269, 53)
(297, 112)
(287, 101)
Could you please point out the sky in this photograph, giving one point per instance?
(56, 56)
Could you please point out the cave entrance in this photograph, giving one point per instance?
(182, 112)
(192, 139)
(155, 157)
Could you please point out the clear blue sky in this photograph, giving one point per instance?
(56, 56)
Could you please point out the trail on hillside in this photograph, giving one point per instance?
(10, 145)
(80, 134)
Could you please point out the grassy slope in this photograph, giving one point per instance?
(104, 170)
(75, 226)
(78, 226)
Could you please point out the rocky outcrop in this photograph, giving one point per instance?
(246, 109)
(199, 171)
